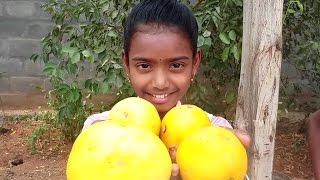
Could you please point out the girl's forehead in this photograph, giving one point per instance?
(155, 28)
(156, 32)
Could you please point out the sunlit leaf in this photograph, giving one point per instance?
(300, 6)
(232, 35)
(70, 50)
(114, 14)
(225, 54)
(236, 52)
(86, 53)
(200, 41)
(112, 34)
(291, 11)
(206, 33)
(99, 50)
(224, 38)
(75, 58)
(105, 7)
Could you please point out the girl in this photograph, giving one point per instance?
(161, 58)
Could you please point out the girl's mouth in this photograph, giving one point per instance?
(160, 96)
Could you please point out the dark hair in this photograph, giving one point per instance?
(168, 13)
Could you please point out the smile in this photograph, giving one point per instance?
(161, 96)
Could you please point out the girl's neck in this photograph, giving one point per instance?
(161, 114)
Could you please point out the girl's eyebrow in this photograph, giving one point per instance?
(167, 59)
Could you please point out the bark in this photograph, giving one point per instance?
(258, 91)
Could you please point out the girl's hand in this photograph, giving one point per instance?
(175, 172)
(243, 136)
(175, 168)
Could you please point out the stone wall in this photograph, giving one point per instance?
(22, 24)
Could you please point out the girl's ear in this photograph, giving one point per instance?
(125, 62)
(196, 61)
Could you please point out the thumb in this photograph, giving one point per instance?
(243, 136)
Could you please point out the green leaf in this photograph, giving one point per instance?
(229, 97)
(76, 95)
(300, 6)
(225, 54)
(206, 33)
(236, 52)
(104, 87)
(291, 11)
(62, 90)
(75, 58)
(112, 34)
(130, 91)
(117, 66)
(51, 65)
(224, 38)
(87, 83)
(114, 14)
(105, 7)
(86, 53)
(208, 41)
(99, 50)
(49, 70)
(200, 41)
(237, 2)
(232, 35)
(34, 57)
(69, 50)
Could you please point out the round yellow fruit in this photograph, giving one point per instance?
(114, 151)
(138, 111)
(181, 121)
(212, 153)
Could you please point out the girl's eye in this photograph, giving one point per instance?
(144, 66)
(176, 65)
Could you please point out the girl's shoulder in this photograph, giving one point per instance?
(95, 118)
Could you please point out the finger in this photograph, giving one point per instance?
(175, 169)
(243, 136)
(172, 152)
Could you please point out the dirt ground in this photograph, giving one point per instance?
(19, 162)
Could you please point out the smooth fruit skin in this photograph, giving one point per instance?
(181, 121)
(138, 111)
(115, 151)
(212, 153)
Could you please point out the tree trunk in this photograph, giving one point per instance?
(258, 91)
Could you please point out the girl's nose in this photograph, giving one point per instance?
(160, 80)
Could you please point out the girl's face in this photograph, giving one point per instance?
(160, 66)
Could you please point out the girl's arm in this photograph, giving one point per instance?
(314, 142)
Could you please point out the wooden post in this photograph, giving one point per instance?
(258, 91)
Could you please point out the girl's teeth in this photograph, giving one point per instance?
(160, 96)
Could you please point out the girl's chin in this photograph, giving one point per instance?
(164, 109)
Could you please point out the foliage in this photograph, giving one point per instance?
(35, 135)
(85, 35)
(81, 54)
(220, 25)
(42, 134)
(301, 36)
